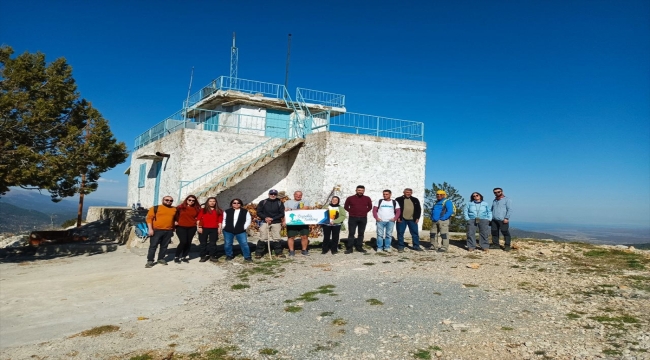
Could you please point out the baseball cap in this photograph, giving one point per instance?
(273, 192)
(441, 192)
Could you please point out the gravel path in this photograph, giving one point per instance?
(376, 306)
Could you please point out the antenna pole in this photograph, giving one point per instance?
(286, 74)
(234, 60)
(189, 90)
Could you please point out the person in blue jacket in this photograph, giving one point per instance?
(442, 210)
(478, 214)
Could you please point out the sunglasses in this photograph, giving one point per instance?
(168, 200)
(497, 192)
(191, 200)
(236, 203)
(476, 195)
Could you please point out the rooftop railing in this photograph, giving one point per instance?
(320, 97)
(210, 120)
(363, 124)
(243, 85)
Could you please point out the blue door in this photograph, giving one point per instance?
(156, 190)
(277, 124)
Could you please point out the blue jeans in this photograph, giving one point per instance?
(242, 239)
(413, 229)
(384, 234)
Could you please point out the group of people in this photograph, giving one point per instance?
(401, 213)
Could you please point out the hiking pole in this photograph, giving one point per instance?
(268, 239)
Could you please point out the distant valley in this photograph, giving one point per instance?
(22, 210)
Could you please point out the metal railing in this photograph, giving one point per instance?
(243, 85)
(320, 97)
(258, 150)
(210, 120)
(363, 124)
(228, 176)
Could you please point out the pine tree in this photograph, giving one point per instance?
(50, 138)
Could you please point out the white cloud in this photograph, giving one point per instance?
(107, 180)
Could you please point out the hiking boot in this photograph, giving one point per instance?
(185, 259)
(495, 246)
(414, 249)
(177, 260)
(149, 264)
(388, 250)
(361, 250)
(401, 250)
(292, 253)
(162, 262)
(258, 256)
(229, 258)
(471, 250)
(348, 251)
(249, 260)
(204, 259)
(507, 248)
(323, 252)
(334, 252)
(214, 259)
(305, 253)
(485, 251)
(379, 250)
(441, 250)
(280, 255)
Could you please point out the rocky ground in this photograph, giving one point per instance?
(543, 300)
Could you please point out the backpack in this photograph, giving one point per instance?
(444, 208)
(394, 205)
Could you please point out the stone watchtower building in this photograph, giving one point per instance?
(240, 138)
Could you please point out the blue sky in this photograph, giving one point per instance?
(549, 100)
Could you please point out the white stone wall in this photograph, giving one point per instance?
(330, 158)
(325, 160)
(245, 119)
(192, 154)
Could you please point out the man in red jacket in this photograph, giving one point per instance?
(357, 206)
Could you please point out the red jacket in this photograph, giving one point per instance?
(210, 220)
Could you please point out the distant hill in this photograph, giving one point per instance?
(534, 235)
(24, 209)
(15, 219)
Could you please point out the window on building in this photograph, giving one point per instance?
(141, 175)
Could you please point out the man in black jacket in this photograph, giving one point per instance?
(409, 217)
(271, 212)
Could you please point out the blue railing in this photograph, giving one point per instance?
(320, 97)
(228, 176)
(363, 124)
(243, 85)
(227, 166)
(208, 120)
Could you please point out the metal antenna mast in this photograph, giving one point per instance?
(286, 74)
(234, 59)
(189, 90)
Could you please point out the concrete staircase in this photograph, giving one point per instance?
(244, 169)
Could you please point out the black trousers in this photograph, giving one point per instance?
(355, 223)
(162, 238)
(498, 225)
(331, 238)
(260, 249)
(185, 235)
(208, 242)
